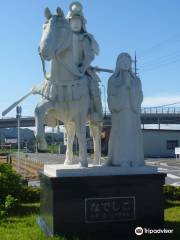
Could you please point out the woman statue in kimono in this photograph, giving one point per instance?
(124, 100)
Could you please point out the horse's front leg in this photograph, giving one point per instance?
(40, 111)
(70, 130)
(81, 135)
(96, 132)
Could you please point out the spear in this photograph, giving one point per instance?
(98, 69)
(6, 111)
(15, 104)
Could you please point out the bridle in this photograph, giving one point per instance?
(67, 66)
(43, 66)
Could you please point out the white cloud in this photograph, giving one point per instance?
(153, 101)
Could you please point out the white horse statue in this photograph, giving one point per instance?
(66, 92)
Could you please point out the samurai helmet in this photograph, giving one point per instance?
(76, 10)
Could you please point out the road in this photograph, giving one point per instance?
(169, 166)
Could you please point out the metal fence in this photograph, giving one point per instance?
(160, 110)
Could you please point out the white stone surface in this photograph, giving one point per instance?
(124, 100)
(71, 92)
(60, 170)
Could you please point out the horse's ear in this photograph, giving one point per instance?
(47, 13)
(59, 12)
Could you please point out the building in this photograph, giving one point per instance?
(157, 142)
(160, 143)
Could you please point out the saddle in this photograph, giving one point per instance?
(64, 91)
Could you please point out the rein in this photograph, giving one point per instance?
(44, 67)
(68, 67)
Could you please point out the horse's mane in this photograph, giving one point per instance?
(64, 35)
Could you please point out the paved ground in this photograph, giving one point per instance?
(169, 166)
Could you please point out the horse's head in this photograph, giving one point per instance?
(56, 36)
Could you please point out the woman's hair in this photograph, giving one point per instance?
(119, 59)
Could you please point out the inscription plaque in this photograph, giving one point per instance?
(112, 209)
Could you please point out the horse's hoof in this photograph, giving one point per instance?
(42, 151)
(68, 162)
(41, 143)
(83, 164)
(97, 161)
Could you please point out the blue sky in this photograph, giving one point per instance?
(149, 27)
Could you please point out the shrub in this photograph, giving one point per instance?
(8, 206)
(30, 194)
(171, 192)
(10, 203)
(10, 182)
(3, 212)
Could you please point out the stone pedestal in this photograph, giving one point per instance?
(100, 206)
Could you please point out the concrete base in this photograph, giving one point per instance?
(61, 170)
(101, 207)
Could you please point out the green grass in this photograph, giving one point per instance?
(172, 218)
(172, 221)
(172, 211)
(23, 225)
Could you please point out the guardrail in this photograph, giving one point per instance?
(156, 110)
(160, 110)
(146, 112)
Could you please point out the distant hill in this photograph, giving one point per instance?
(54, 137)
(26, 134)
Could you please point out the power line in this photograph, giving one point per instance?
(160, 65)
(163, 58)
(159, 45)
(165, 105)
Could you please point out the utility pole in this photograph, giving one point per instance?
(104, 93)
(18, 116)
(52, 144)
(58, 133)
